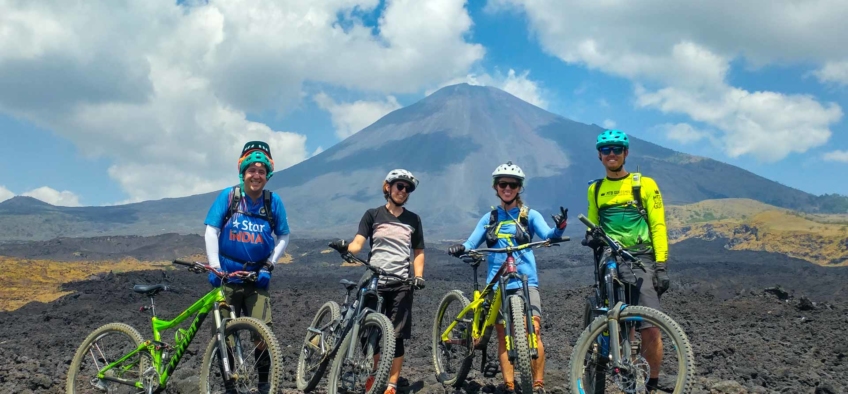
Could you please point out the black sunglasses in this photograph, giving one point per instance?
(403, 186)
(512, 185)
(611, 149)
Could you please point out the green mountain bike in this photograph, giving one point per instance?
(462, 326)
(115, 358)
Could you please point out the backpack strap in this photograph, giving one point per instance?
(269, 215)
(636, 185)
(597, 190)
(235, 200)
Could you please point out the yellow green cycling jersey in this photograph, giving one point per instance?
(617, 213)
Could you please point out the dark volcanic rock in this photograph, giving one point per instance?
(740, 338)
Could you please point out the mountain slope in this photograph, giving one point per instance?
(451, 140)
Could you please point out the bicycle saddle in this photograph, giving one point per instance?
(150, 289)
(347, 284)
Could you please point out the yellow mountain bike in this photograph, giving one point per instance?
(463, 326)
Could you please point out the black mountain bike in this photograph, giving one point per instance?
(115, 357)
(466, 327)
(608, 356)
(352, 335)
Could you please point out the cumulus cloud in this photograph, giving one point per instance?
(837, 155)
(54, 197)
(5, 194)
(518, 85)
(833, 72)
(683, 133)
(679, 62)
(608, 123)
(349, 118)
(168, 103)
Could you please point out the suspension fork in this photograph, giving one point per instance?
(221, 335)
(510, 350)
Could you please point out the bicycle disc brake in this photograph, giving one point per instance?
(633, 375)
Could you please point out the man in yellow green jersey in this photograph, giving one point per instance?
(638, 224)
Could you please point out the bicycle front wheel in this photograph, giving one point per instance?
(521, 363)
(360, 373)
(102, 347)
(591, 369)
(314, 355)
(452, 357)
(254, 356)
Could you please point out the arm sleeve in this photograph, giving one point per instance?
(476, 237)
(282, 221)
(211, 238)
(540, 227)
(592, 211)
(653, 204)
(280, 249)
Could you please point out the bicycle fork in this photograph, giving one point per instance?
(531, 328)
(221, 336)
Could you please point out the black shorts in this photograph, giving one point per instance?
(647, 293)
(397, 302)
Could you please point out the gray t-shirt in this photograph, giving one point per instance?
(392, 240)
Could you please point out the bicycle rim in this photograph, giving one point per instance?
(452, 358)
(254, 357)
(103, 346)
(376, 336)
(314, 356)
(590, 370)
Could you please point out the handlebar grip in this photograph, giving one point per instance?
(586, 221)
(185, 263)
(560, 239)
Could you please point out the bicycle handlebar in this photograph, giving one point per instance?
(473, 255)
(200, 268)
(597, 232)
(352, 259)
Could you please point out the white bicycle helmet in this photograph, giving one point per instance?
(402, 175)
(508, 170)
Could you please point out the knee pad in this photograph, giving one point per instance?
(399, 348)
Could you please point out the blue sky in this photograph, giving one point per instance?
(88, 120)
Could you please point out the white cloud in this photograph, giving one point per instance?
(349, 118)
(833, 72)
(683, 133)
(608, 123)
(54, 197)
(518, 85)
(837, 155)
(679, 60)
(317, 151)
(168, 102)
(5, 194)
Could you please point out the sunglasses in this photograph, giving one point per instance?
(611, 149)
(511, 185)
(403, 186)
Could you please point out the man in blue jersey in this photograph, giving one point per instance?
(240, 229)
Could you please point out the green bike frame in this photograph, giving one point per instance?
(182, 339)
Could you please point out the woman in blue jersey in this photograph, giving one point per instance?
(240, 229)
(513, 223)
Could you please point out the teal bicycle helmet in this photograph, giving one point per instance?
(612, 138)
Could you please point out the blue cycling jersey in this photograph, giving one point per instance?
(246, 240)
(524, 259)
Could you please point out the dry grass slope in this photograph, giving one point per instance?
(28, 280)
(751, 225)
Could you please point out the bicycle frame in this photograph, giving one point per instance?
(499, 303)
(212, 301)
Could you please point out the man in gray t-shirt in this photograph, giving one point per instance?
(396, 238)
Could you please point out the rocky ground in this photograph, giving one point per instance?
(746, 339)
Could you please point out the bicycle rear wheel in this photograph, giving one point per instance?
(523, 369)
(588, 361)
(360, 373)
(314, 356)
(254, 357)
(105, 345)
(452, 358)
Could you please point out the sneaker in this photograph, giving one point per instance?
(390, 390)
